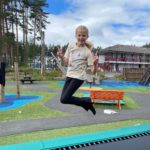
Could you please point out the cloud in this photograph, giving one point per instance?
(109, 22)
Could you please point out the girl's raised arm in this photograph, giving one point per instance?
(61, 55)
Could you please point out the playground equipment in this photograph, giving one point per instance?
(136, 136)
(145, 80)
(62, 68)
(2, 80)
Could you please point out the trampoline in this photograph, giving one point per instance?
(137, 137)
(135, 143)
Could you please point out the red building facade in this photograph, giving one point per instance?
(123, 56)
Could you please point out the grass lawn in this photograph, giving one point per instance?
(55, 133)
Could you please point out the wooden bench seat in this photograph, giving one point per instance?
(107, 95)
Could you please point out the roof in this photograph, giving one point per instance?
(126, 48)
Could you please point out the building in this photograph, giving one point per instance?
(117, 57)
(50, 62)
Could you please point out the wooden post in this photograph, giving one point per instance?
(17, 79)
(2, 92)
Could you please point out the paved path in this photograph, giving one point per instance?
(78, 117)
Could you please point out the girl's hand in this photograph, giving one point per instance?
(95, 59)
(60, 53)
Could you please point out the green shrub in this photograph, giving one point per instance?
(52, 74)
(119, 77)
(102, 76)
(34, 73)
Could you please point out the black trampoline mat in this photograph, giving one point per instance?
(139, 143)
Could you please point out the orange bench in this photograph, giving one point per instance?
(107, 95)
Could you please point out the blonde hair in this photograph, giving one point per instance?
(82, 28)
(89, 45)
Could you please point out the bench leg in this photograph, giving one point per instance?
(92, 101)
(118, 104)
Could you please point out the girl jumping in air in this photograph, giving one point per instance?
(78, 56)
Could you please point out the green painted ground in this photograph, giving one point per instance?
(32, 110)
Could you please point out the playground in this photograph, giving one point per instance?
(45, 116)
(32, 113)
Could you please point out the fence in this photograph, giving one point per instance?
(133, 74)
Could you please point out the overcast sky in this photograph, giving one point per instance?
(110, 22)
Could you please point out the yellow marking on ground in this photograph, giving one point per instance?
(90, 88)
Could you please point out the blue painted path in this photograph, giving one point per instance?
(11, 101)
(114, 84)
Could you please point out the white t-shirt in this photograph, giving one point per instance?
(79, 59)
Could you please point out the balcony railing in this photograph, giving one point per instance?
(127, 59)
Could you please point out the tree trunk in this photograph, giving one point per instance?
(42, 54)
(2, 28)
(26, 36)
(17, 44)
(34, 37)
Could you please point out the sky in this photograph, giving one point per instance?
(110, 22)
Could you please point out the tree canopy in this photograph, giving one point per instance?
(27, 16)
